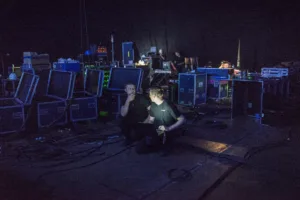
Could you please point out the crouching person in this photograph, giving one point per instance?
(162, 125)
(133, 111)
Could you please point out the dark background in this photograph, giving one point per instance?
(269, 31)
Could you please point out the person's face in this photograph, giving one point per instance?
(177, 54)
(226, 65)
(160, 51)
(152, 97)
(130, 90)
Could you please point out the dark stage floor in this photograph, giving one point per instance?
(243, 161)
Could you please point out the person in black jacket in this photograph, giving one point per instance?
(133, 111)
(178, 61)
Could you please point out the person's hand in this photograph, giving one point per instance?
(159, 132)
(163, 128)
(236, 71)
(130, 98)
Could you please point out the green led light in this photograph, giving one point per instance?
(103, 113)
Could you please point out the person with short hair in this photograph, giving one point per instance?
(166, 120)
(133, 111)
(225, 65)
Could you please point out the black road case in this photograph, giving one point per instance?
(192, 89)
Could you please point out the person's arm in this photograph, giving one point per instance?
(180, 119)
(150, 118)
(125, 108)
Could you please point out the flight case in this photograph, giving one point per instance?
(192, 89)
(84, 104)
(52, 108)
(12, 110)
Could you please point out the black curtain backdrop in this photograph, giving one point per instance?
(210, 31)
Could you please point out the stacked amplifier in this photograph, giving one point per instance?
(32, 60)
(67, 65)
(274, 72)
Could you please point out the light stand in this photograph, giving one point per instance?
(112, 49)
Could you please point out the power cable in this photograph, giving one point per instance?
(75, 160)
(90, 152)
(84, 166)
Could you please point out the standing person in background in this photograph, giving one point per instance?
(193, 63)
(178, 61)
(162, 58)
(162, 55)
(186, 65)
(225, 65)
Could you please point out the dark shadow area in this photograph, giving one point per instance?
(14, 186)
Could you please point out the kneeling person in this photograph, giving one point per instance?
(133, 111)
(165, 119)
